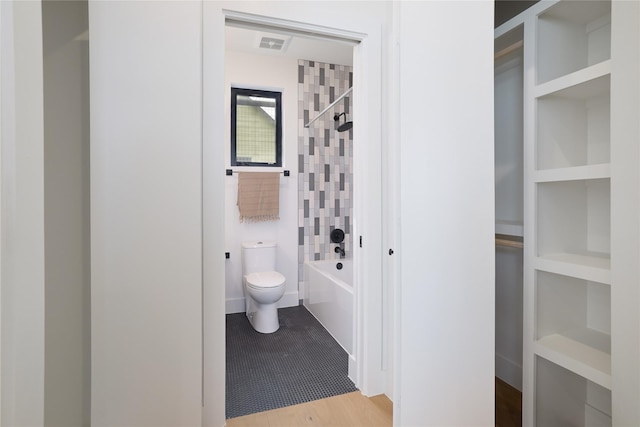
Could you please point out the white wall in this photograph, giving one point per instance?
(270, 73)
(66, 177)
(446, 307)
(2, 60)
(146, 222)
(22, 215)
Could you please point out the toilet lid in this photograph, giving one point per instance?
(265, 279)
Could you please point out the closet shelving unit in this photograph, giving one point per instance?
(568, 169)
(570, 180)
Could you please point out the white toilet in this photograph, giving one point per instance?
(263, 286)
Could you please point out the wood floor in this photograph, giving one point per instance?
(354, 410)
(508, 405)
(351, 409)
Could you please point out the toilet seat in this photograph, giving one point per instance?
(264, 279)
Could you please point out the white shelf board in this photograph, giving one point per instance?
(586, 361)
(573, 173)
(567, 85)
(578, 12)
(594, 417)
(509, 228)
(591, 338)
(593, 268)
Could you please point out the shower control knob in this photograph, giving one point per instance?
(390, 251)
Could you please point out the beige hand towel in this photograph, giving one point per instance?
(259, 196)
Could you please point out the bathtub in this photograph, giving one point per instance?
(329, 297)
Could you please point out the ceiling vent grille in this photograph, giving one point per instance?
(271, 43)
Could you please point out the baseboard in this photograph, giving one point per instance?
(351, 373)
(509, 371)
(236, 305)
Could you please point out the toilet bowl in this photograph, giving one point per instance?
(263, 286)
(263, 291)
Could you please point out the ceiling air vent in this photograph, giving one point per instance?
(271, 43)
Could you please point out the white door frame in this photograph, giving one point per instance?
(2, 59)
(367, 222)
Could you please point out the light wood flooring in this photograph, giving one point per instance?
(351, 409)
(354, 409)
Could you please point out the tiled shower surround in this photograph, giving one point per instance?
(325, 179)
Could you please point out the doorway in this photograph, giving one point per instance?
(312, 74)
(368, 375)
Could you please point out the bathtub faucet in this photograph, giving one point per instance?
(340, 251)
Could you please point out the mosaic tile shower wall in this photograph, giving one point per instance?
(325, 178)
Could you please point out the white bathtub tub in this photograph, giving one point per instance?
(329, 297)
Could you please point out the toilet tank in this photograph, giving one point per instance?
(258, 256)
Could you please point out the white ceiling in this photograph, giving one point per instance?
(298, 47)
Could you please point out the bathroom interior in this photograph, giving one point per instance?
(312, 238)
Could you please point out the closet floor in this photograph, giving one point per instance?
(508, 405)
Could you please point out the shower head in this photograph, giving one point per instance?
(346, 125)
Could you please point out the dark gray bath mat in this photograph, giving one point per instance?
(299, 363)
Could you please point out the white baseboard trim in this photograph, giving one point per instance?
(351, 373)
(236, 305)
(509, 371)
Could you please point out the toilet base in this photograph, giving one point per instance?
(264, 318)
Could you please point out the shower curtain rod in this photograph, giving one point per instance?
(329, 107)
